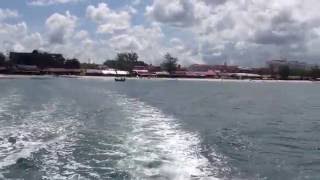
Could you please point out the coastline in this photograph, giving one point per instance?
(5, 76)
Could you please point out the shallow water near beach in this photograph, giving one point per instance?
(158, 129)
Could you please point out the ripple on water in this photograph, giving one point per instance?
(7, 102)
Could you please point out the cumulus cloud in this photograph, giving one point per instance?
(242, 32)
(266, 30)
(16, 36)
(7, 13)
(60, 27)
(214, 2)
(83, 49)
(61, 36)
(50, 2)
(151, 45)
(16, 30)
(245, 32)
(147, 41)
(136, 2)
(82, 34)
(108, 20)
(186, 54)
(173, 12)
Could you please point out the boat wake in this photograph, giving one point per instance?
(38, 131)
(158, 147)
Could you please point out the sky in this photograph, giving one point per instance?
(242, 32)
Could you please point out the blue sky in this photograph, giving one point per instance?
(35, 16)
(243, 32)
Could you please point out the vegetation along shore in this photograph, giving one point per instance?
(128, 64)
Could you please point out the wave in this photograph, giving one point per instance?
(157, 145)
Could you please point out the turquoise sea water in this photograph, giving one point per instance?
(158, 129)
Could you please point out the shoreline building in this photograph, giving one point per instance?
(36, 58)
(212, 70)
(276, 65)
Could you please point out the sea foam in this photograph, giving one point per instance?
(158, 146)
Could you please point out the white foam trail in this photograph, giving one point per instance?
(52, 129)
(63, 149)
(38, 130)
(158, 147)
(59, 152)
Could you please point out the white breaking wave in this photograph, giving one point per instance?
(158, 147)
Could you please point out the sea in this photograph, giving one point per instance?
(95, 128)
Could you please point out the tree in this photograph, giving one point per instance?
(111, 63)
(284, 72)
(315, 72)
(169, 64)
(299, 72)
(35, 51)
(89, 66)
(2, 59)
(125, 61)
(72, 64)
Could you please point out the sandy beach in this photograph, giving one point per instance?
(201, 80)
(2, 76)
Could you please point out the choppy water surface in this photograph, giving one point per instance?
(164, 129)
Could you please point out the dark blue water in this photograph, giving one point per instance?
(158, 129)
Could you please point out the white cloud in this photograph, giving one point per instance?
(17, 30)
(60, 27)
(33, 41)
(145, 41)
(50, 2)
(246, 31)
(136, 2)
(82, 34)
(16, 37)
(108, 20)
(61, 36)
(7, 13)
(266, 30)
(186, 54)
(173, 12)
(150, 44)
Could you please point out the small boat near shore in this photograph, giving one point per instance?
(118, 78)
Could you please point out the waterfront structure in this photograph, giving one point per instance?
(61, 71)
(275, 65)
(141, 71)
(26, 69)
(245, 76)
(3, 69)
(36, 58)
(216, 68)
(114, 72)
(93, 72)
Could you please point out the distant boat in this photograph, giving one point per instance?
(120, 79)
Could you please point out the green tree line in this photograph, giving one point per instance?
(128, 60)
(123, 61)
(39, 59)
